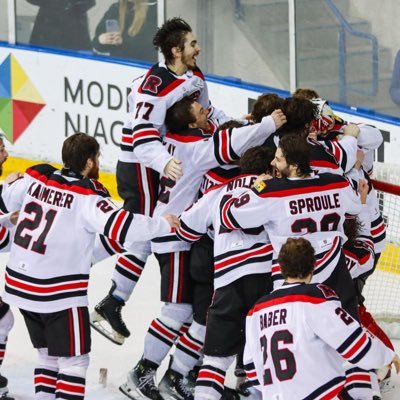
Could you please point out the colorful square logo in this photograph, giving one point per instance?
(20, 102)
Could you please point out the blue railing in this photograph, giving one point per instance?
(344, 87)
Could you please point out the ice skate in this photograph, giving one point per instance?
(3, 389)
(107, 319)
(141, 382)
(174, 386)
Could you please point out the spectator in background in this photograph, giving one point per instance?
(126, 30)
(62, 24)
(395, 84)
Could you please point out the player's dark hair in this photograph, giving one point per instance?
(77, 149)
(265, 105)
(296, 151)
(296, 258)
(299, 114)
(179, 116)
(306, 93)
(233, 123)
(352, 228)
(171, 34)
(257, 160)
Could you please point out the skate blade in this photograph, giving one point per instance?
(96, 323)
(134, 394)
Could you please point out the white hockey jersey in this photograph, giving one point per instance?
(297, 339)
(198, 156)
(377, 224)
(51, 253)
(236, 253)
(344, 151)
(150, 97)
(313, 208)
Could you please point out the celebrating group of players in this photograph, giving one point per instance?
(278, 223)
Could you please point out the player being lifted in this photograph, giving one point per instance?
(143, 157)
(299, 324)
(47, 274)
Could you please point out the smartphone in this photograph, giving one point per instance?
(112, 25)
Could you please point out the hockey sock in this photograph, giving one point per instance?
(211, 379)
(184, 328)
(164, 330)
(358, 384)
(188, 349)
(127, 272)
(45, 376)
(71, 378)
(6, 323)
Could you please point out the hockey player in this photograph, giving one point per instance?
(143, 157)
(198, 154)
(242, 272)
(7, 222)
(47, 274)
(296, 203)
(299, 323)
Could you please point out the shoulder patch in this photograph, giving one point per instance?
(158, 82)
(327, 291)
(260, 186)
(99, 188)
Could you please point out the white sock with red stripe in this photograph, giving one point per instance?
(211, 379)
(358, 383)
(163, 331)
(188, 349)
(45, 378)
(71, 378)
(127, 272)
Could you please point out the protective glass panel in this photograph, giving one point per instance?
(346, 51)
(245, 39)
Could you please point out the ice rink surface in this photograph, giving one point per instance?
(143, 306)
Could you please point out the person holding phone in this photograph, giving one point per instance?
(126, 30)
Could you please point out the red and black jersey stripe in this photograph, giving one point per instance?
(223, 149)
(321, 157)
(187, 234)
(314, 293)
(284, 187)
(188, 136)
(117, 225)
(49, 289)
(144, 133)
(328, 391)
(84, 186)
(339, 153)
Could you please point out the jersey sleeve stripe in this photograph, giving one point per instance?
(351, 339)
(227, 219)
(328, 391)
(111, 246)
(223, 150)
(4, 237)
(187, 234)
